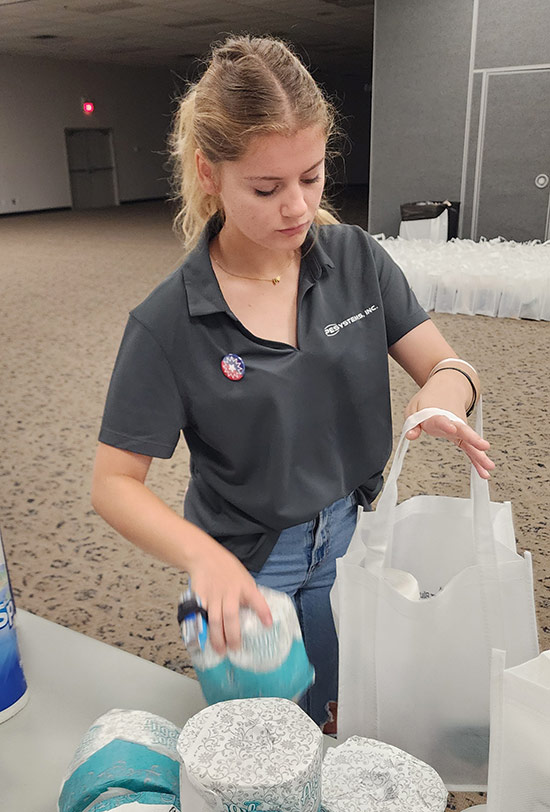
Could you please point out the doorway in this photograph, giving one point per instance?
(512, 195)
(91, 161)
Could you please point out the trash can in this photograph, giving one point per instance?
(429, 220)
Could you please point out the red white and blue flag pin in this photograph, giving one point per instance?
(233, 367)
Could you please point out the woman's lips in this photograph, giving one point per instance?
(296, 230)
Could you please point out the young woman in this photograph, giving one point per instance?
(268, 349)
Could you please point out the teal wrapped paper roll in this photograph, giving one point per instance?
(272, 660)
(138, 802)
(124, 752)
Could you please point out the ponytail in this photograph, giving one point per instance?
(196, 206)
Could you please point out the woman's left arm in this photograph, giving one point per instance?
(422, 351)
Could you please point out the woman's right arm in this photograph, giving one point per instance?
(121, 497)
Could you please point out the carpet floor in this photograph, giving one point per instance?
(67, 281)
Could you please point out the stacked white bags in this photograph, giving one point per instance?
(490, 277)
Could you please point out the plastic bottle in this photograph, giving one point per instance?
(13, 686)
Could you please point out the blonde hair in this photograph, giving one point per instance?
(252, 86)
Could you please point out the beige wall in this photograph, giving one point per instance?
(41, 97)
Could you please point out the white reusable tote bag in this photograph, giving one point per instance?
(519, 757)
(415, 671)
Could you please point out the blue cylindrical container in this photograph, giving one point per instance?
(13, 687)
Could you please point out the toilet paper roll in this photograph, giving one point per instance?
(271, 662)
(124, 752)
(137, 802)
(403, 582)
(364, 775)
(191, 799)
(262, 754)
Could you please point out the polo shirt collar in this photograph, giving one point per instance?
(313, 249)
(203, 292)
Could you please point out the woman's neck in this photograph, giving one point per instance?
(234, 251)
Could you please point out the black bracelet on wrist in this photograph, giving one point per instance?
(470, 408)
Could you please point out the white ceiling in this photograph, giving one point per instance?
(333, 34)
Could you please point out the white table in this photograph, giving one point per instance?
(72, 680)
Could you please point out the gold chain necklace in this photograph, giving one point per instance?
(274, 279)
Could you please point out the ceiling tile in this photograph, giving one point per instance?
(167, 28)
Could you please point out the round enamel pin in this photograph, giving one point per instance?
(233, 367)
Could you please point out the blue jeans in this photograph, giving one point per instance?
(303, 564)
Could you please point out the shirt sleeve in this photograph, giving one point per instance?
(144, 411)
(402, 312)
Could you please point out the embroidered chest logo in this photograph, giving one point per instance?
(334, 329)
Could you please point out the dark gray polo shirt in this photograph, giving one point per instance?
(304, 426)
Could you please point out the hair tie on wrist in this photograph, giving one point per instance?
(470, 408)
(446, 360)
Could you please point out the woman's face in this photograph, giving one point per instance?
(271, 195)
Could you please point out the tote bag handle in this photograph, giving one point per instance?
(379, 541)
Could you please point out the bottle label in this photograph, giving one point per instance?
(12, 680)
(7, 611)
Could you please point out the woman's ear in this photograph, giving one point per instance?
(206, 173)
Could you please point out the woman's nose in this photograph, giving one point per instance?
(294, 203)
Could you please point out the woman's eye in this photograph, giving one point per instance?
(268, 193)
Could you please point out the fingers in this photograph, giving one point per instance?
(440, 426)
(472, 438)
(230, 615)
(258, 603)
(483, 467)
(216, 632)
(437, 426)
(224, 628)
(463, 436)
(477, 456)
(231, 624)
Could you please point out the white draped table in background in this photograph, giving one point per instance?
(489, 277)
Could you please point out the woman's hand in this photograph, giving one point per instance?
(224, 585)
(418, 352)
(436, 395)
(120, 495)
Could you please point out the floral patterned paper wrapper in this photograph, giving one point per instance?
(271, 661)
(124, 752)
(364, 775)
(253, 755)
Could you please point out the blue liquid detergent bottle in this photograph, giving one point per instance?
(272, 661)
(13, 687)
